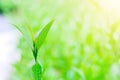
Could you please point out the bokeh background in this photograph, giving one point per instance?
(83, 43)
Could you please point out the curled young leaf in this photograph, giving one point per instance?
(35, 51)
(37, 71)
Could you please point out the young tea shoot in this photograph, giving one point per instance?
(35, 45)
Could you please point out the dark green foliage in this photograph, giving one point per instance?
(7, 6)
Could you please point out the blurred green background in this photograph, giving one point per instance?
(83, 43)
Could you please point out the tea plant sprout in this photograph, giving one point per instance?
(37, 42)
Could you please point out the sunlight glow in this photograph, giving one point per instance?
(111, 8)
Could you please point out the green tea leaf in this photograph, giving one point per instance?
(43, 33)
(37, 71)
(25, 35)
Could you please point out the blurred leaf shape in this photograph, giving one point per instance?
(25, 34)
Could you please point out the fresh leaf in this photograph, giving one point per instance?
(42, 34)
(37, 71)
(25, 35)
